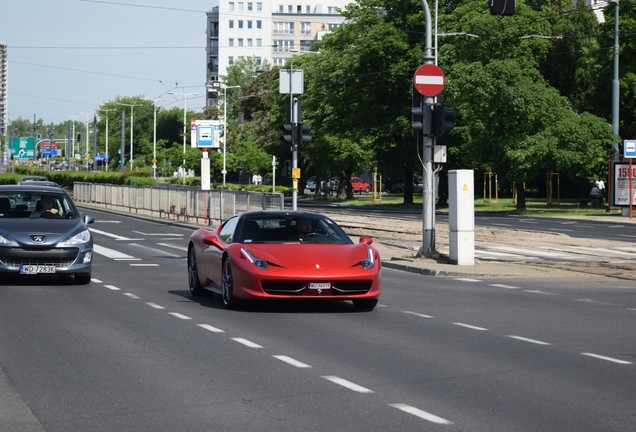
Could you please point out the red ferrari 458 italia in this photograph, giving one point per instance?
(283, 255)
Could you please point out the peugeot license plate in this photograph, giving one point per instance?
(36, 269)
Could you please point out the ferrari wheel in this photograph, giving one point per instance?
(365, 304)
(193, 277)
(227, 288)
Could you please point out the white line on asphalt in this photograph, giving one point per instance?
(610, 359)
(627, 235)
(112, 287)
(213, 329)
(472, 327)
(538, 292)
(467, 280)
(107, 234)
(421, 414)
(560, 229)
(155, 306)
(131, 295)
(96, 280)
(417, 314)
(100, 221)
(158, 234)
(145, 265)
(534, 341)
(181, 248)
(512, 287)
(291, 361)
(247, 343)
(180, 316)
(111, 253)
(348, 384)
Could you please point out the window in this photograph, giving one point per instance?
(259, 42)
(240, 42)
(259, 6)
(290, 9)
(283, 45)
(308, 9)
(240, 24)
(249, 42)
(280, 9)
(332, 10)
(305, 45)
(230, 6)
(284, 28)
(305, 28)
(259, 24)
(230, 24)
(231, 42)
(333, 26)
(249, 24)
(240, 6)
(250, 6)
(230, 60)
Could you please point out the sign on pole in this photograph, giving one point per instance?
(429, 80)
(629, 148)
(296, 86)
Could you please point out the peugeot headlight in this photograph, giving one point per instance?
(4, 240)
(81, 238)
(369, 261)
(258, 262)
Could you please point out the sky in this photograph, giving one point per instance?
(67, 57)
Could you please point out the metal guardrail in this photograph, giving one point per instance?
(182, 204)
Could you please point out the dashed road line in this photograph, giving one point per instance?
(524, 339)
(510, 287)
(112, 287)
(609, 359)
(155, 306)
(424, 415)
(180, 316)
(418, 314)
(247, 343)
(213, 329)
(291, 361)
(347, 384)
(468, 326)
(132, 296)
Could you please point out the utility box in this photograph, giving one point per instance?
(461, 217)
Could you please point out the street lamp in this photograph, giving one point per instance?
(86, 138)
(106, 156)
(185, 98)
(72, 139)
(132, 122)
(225, 128)
(154, 137)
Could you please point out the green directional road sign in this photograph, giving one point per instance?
(22, 148)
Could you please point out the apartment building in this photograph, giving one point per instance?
(269, 31)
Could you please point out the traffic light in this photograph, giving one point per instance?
(502, 7)
(420, 115)
(303, 138)
(443, 120)
(288, 134)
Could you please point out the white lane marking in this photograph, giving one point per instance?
(512, 287)
(247, 343)
(111, 253)
(627, 235)
(112, 287)
(100, 221)
(131, 295)
(347, 384)
(424, 415)
(180, 316)
(107, 234)
(417, 314)
(467, 280)
(560, 229)
(291, 361)
(145, 265)
(158, 234)
(472, 327)
(155, 306)
(609, 359)
(96, 280)
(181, 248)
(213, 329)
(501, 224)
(535, 252)
(534, 341)
(538, 292)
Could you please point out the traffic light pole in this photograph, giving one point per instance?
(428, 202)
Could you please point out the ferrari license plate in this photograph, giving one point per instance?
(319, 286)
(36, 269)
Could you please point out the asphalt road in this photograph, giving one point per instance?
(133, 351)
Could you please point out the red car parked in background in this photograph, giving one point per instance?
(359, 185)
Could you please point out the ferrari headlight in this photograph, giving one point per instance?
(259, 263)
(369, 261)
(81, 238)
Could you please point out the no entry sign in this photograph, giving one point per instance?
(429, 80)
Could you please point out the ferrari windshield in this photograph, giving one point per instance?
(36, 204)
(304, 228)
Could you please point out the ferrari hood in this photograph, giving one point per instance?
(310, 256)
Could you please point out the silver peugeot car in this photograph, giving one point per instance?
(42, 232)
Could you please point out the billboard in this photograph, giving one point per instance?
(621, 184)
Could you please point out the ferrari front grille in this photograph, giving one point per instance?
(298, 288)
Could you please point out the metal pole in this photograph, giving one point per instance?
(428, 202)
(94, 143)
(615, 87)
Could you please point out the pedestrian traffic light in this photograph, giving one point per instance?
(303, 138)
(288, 133)
(443, 120)
(502, 7)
